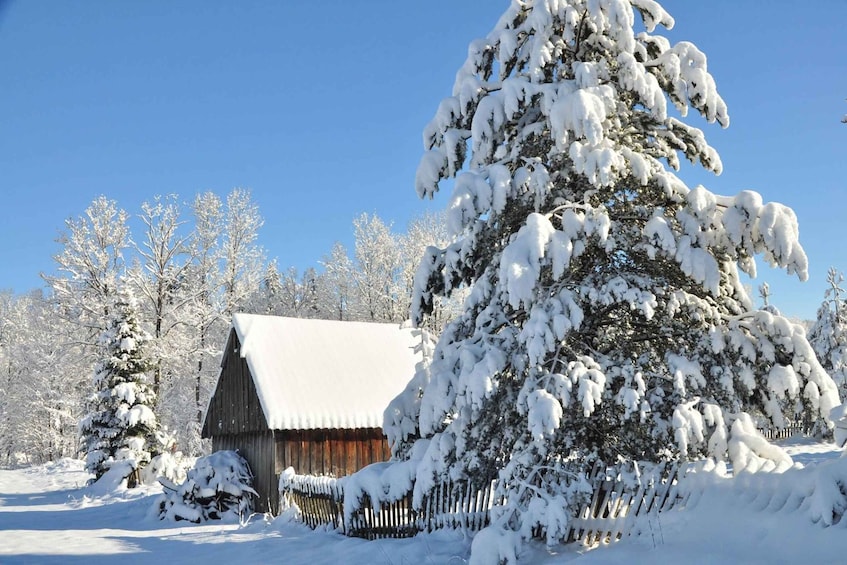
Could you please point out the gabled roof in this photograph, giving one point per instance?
(324, 374)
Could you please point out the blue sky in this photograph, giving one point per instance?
(318, 108)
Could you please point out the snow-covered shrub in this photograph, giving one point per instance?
(493, 544)
(218, 487)
(607, 319)
(115, 479)
(172, 466)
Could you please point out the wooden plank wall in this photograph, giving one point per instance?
(235, 406)
(258, 449)
(330, 452)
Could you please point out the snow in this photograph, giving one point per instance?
(216, 487)
(47, 515)
(324, 374)
(545, 413)
(520, 263)
(750, 452)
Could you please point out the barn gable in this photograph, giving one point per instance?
(235, 406)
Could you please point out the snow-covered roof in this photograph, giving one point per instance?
(323, 374)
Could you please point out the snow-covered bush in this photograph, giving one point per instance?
(121, 424)
(218, 487)
(172, 466)
(607, 319)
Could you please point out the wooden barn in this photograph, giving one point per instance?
(307, 394)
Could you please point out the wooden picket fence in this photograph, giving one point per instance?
(609, 514)
(320, 500)
(613, 507)
(396, 519)
(791, 430)
(458, 506)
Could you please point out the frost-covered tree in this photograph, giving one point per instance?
(203, 311)
(269, 295)
(242, 259)
(376, 284)
(40, 393)
(158, 276)
(335, 286)
(90, 263)
(289, 294)
(121, 424)
(425, 231)
(765, 295)
(377, 271)
(828, 335)
(606, 320)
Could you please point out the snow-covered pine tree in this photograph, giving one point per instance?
(121, 424)
(606, 320)
(828, 335)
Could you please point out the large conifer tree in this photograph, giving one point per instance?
(121, 424)
(606, 319)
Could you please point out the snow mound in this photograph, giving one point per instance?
(218, 487)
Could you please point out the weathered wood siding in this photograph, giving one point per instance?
(258, 449)
(235, 406)
(235, 421)
(330, 452)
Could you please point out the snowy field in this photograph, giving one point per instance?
(48, 516)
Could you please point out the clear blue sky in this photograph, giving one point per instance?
(318, 108)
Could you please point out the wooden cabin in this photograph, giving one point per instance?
(307, 394)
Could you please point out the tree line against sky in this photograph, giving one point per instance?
(189, 268)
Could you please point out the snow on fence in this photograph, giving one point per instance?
(609, 515)
(790, 430)
(320, 499)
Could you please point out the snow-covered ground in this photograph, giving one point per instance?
(48, 516)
